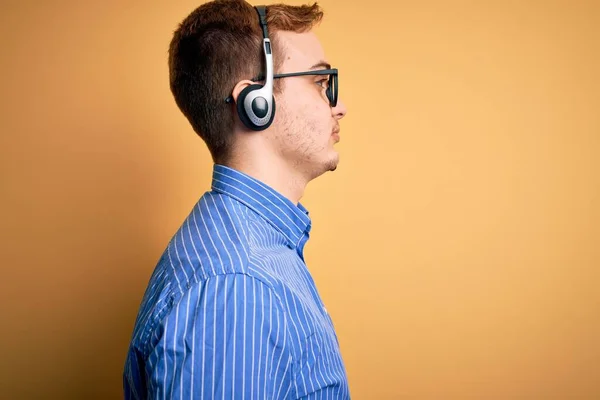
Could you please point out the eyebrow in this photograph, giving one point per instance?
(321, 65)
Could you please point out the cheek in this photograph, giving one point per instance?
(305, 100)
(304, 119)
(320, 117)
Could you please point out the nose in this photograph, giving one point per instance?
(339, 111)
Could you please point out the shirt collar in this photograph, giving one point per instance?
(291, 220)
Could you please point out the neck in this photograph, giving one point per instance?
(272, 171)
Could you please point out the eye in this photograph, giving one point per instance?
(323, 82)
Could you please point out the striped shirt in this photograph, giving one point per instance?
(231, 310)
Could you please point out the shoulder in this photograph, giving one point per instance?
(214, 243)
(212, 240)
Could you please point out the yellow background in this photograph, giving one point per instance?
(456, 246)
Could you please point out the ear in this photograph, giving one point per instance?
(239, 87)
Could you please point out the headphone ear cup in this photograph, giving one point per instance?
(244, 115)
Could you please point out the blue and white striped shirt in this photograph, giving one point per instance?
(231, 311)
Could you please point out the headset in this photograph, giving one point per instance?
(256, 104)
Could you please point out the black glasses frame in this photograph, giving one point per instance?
(331, 91)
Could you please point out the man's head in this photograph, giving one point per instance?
(217, 52)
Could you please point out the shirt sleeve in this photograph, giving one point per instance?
(226, 338)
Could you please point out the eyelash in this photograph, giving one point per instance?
(321, 80)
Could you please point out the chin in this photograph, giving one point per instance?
(333, 163)
(326, 164)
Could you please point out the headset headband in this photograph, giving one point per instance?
(262, 14)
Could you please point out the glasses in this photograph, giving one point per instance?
(332, 84)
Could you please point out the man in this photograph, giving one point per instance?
(231, 310)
